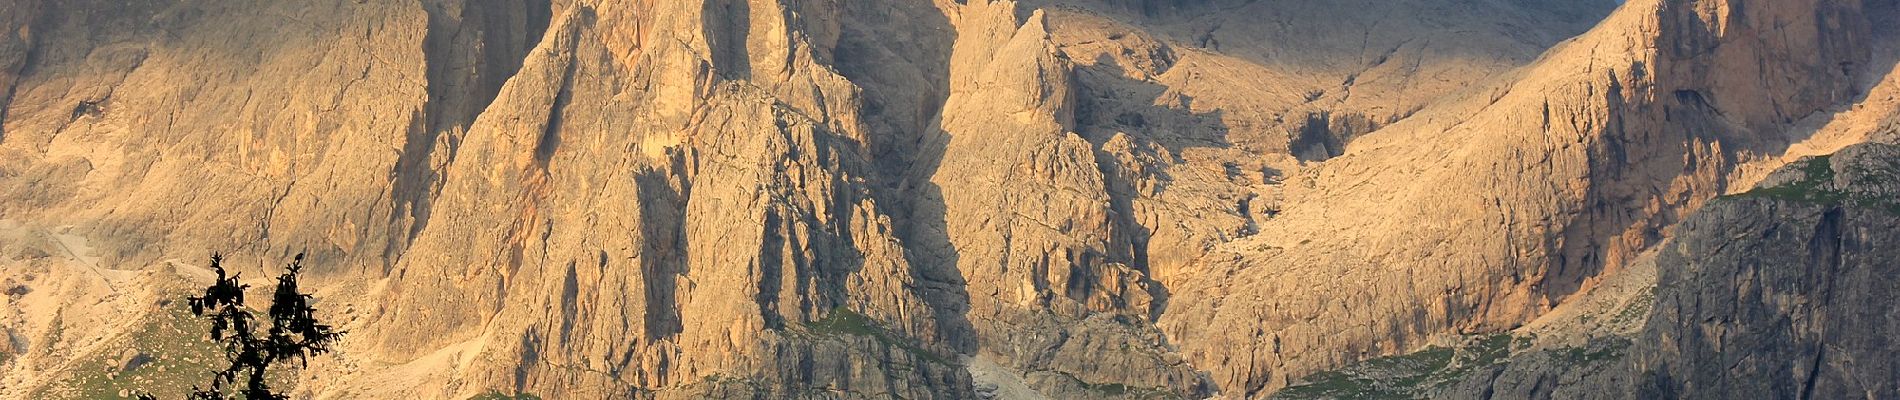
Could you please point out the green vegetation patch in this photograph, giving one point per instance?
(1637, 309)
(1418, 375)
(498, 395)
(1816, 173)
(844, 321)
(1595, 352)
(1408, 376)
(1119, 390)
(719, 383)
(166, 356)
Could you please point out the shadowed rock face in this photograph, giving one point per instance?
(1783, 290)
(1619, 159)
(862, 199)
(1775, 292)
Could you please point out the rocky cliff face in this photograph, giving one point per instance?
(1780, 290)
(1554, 179)
(1774, 292)
(873, 199)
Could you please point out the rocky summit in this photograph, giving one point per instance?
(961, 199)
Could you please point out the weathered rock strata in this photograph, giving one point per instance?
(768, 199)
(1559, 175)
(1776, 292)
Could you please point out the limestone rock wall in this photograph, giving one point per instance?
(777, 198)
(1773, 292)
(1478, 215)
(1779, 291)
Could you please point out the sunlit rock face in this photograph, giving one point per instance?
(908, 198)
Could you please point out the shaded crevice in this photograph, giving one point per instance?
(30, 57)
(471, 50)
(1824, 252)
(570, 300)
(728, 23)
(1814, 371)
(663, 232)
(1130, 239)
(771, 261)
(550, 138)
(1324, 135)
(474, 49)
(898, 52)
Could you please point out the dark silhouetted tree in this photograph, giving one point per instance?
(294, 333)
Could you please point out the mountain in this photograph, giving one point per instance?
(1773, 292)
(945, 198)
(1487, 212)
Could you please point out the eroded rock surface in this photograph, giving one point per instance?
(1493, 209)
(1775, 292)
(871, 199)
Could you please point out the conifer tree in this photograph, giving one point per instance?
(294, 333)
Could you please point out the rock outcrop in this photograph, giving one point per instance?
(1780, 291)
(1480, 214)
(1774, 292)
(872, 199)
